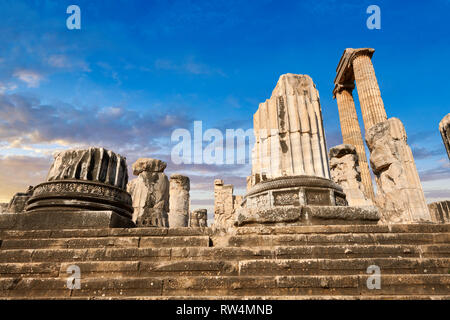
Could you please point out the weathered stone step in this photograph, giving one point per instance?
(261, 267)
(120, 268)
(162, 232)
(229, 254)
(330, 239)
(328, 229)
(344, 266)
(228, 286)
(116, 242)
(104, 232)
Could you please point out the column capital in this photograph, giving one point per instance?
(340, 87)
(344, 70)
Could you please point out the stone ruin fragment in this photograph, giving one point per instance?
(179, 201)
(198, 218)
(84, 188)
(345, 171)
(399, 192)
(290, 181)
(225, 205)
(150, 193)
(444, 129)
(19, 201)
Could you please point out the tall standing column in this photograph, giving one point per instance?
(351, 133)
(372, 106)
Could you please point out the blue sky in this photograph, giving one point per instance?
(137, 70)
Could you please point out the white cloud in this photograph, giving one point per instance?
(6, 87)
(31, 78)
(64, 62)
(188, 66)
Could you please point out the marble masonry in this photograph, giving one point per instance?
(84, 188)
(444, 129)
(345, 171)
(198, 218)
(399, 192)
(225, 205)
(179, 201)
(150, 193)
(440, 211)
(291, 182)
(308, 227)
(19, 201)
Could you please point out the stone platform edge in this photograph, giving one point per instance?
(44, 220)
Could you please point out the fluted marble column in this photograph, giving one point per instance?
(444, 129)
(372, 106)
(351, 133)
(289, 132)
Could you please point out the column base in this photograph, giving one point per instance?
(43, 220)
(308, 215)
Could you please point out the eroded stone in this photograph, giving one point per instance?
(345, 171)
(399, 192)
(179, 201)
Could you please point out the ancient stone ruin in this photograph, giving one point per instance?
(307, 227)
(150, 193)
(399, 193)
(400, 197)
(84, 188)
(440, 211)
(444, 129)
(19, 201)
(345, 171)
(198, 218)
(291, 180)
(225, 204)
(179, 201)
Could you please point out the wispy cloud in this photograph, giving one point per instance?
(188, 66)
(440, 172)
(30, 77)
(423, 152)
(26, 121)
(65, 62)
(7, 87)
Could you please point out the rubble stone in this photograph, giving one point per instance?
(199, 218)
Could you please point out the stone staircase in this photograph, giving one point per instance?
(295, 262)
